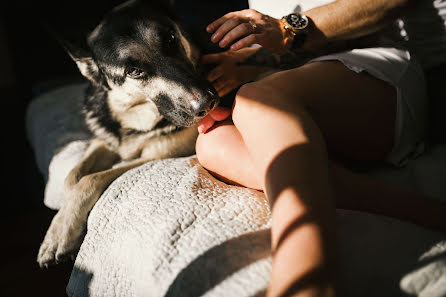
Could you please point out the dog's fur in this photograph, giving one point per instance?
(144, 100)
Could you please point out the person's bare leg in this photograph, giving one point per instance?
(278, 120)
(223, 153)
(289, 154)
(361, 192)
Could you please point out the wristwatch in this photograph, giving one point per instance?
(295, 25)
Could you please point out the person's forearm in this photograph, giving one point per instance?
(348, 19)
(263, 57)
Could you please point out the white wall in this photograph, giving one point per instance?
(279, 8)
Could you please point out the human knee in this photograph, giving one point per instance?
(249, 90)
(204, 148)
(249, 97)
(210, 147)
(262, 98)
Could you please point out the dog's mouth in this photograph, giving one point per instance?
(187, 111)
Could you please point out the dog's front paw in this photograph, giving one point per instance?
(62, 240)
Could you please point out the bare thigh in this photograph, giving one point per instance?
(354, 112)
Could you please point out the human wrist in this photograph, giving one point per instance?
(304, 38)
(316, 40)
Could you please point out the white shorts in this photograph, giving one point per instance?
(396, 67)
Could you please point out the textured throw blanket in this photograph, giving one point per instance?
(168, 228)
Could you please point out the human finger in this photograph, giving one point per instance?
(211, 58)
(217, 23)
(227, 89)
(243, 29)
(225, 28)
(224, 86)
(220, 84)
(205, 123)
(245, 13)
(220, 113)
(245, 42)
(215, 74)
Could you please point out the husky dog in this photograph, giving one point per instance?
(144, 100)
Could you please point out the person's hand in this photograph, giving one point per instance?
(230, 72)
(216, 115)
(251, 27)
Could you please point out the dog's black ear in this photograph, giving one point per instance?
(86, 64)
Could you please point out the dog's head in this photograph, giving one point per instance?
(148, 65)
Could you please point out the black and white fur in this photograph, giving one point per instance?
(145, 98)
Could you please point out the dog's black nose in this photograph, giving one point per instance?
(205, 105)
(200, 110)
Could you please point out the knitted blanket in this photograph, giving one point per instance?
(168, 228)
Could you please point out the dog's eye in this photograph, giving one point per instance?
(171, 38)
(134, 72)
(169, 45)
